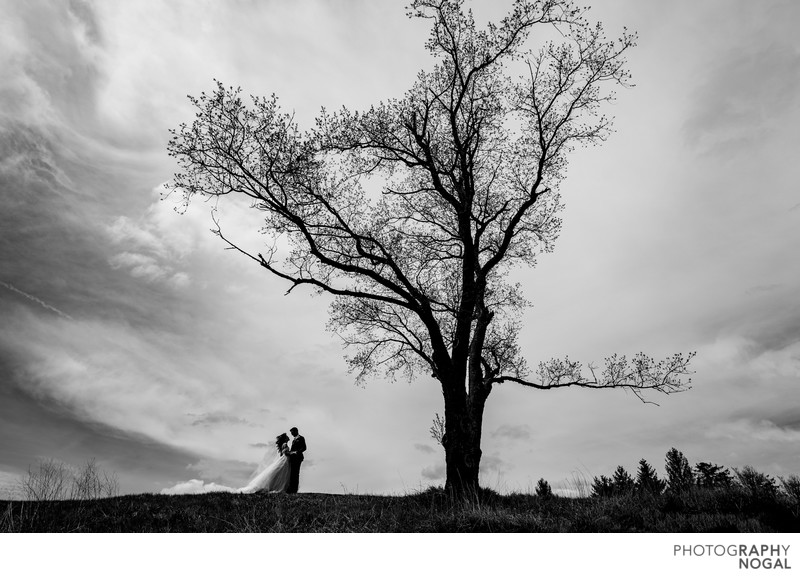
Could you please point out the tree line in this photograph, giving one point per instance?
(682, 478)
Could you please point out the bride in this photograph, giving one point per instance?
(273, 477)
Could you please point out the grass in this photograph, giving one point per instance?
(730, 510)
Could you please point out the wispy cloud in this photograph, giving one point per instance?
(513, 432)
(157, 246)
(756, 289)
(36, 300)
(217, 417)
(144, 266)
(124, 232)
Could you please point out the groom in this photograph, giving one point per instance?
(296, 448)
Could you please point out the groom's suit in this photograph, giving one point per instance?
(298, 445)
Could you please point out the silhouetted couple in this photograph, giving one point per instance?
(283, 473)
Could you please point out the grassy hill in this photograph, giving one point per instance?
(429, 511)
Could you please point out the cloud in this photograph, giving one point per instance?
(751, 89)
(60, 176)
(758, 342)
(124, 231)
(756, 289)
(747, 431)
(222, 469)
(516, 432)
(770, 322)
(11, 486)
(180, 280)
(140, 266)
(49, 62)
(217, 417)
(138, 381)
(36, 427)
(35, 299)
(434, 472)
(788, 418)
(175, 247)
(783, 362)
(425, 448)
(494, 463)
(196, 487)
(156, 245)
(569, 493)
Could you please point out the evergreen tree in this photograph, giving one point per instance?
(543, 489)
(679, 474)
(602, 487)
(709, 475)
(647, 481)
(623, 482)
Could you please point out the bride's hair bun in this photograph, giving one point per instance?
(281, 439)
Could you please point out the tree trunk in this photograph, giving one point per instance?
(462, 444)
(464, 400)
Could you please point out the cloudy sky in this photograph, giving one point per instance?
(127, 333)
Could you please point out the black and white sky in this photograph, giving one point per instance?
(129, 335)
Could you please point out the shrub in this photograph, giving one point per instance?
(791, 486)
(49, 482)
(91, 483)
(54, 480)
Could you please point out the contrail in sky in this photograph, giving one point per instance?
(35, 300)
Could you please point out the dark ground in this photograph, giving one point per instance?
(428, 511)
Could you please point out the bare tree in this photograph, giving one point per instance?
(50, 481)
(91, 483)
(54, 480)
(468, 163)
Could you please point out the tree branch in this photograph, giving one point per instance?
(640, 374)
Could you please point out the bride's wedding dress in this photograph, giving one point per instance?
(272, 477)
